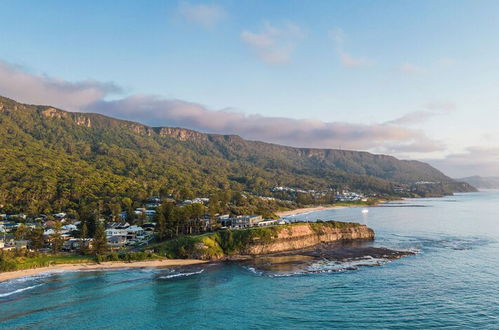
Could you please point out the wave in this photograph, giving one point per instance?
(165, 277)
(327, 266)
(253, 270)
(19, 290)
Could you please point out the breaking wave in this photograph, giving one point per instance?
(19, 290)
(165, 277)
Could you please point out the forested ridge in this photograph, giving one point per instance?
(53, 160)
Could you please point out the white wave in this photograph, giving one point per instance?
(254, 271)
(325, 266)
(181, 274)
(19, 290)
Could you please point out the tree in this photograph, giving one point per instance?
(100, 240)
(161, 229)
(83, 237)
(56, 238)
(130, 214)
(115, 210)
(36, 238)
(21, 232)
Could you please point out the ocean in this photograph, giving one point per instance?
(452, 281)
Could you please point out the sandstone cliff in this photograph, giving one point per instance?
(228, 244)
(307, 235)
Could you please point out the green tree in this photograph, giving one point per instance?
(100, 246)
(36, 238)
(21, 232)
(56, 238)
(83, 237)
(161, 230)
(115, 211)
(128, 205)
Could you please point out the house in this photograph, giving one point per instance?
(21, 244)
(116, 242)
(241, 221)
(69, 228)
(116, 232)
(149, 227)
(201, 200)
(265, 223)
(154, 199)
(133, 232)
(75, 244)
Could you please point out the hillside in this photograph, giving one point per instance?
(482, 182)
(262, 240)
(51, 160)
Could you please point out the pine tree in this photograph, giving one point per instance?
(36, 238)
(83, 236)
(56, 237)
(100, 240)
(161, 224)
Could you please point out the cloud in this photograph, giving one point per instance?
(201, 14)
(412, 69)
(90, 96)
(473, 161)
(273, 44)
(287, 131)
(40, 89)
(431, 110)
(346, 59)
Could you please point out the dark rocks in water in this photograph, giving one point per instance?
(351, 254)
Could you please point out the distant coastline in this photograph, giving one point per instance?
(304, 210)
(290, 213)
(5, 276)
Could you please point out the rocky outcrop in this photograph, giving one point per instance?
(182, 134)
(306, 235)
(236, 244)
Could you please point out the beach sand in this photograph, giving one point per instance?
(306, 210)
(5, 276)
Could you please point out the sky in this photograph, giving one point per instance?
(413, 79)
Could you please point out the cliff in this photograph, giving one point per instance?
(262, 240)
(306, 235)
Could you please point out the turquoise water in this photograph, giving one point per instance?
(453, 281)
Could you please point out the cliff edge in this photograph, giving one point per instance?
(229, 244)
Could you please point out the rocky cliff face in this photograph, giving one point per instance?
(235, 244)
(306, 235)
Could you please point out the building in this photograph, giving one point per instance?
(76, 243)
(241, 221)
(116, 232)
(116, 242)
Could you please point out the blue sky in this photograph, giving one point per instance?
(416, 79)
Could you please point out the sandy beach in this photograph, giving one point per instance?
(5, 276)
(306, 210)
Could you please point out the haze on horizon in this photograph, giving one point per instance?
(417, 80)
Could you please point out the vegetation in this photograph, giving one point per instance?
(52, 161)
(18, 260)
(231, 242)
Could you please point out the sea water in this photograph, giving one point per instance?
(452, 281)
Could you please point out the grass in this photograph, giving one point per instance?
(231, 242)
(11, 262)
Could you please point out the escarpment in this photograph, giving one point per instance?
(307, 235)
(228, 244)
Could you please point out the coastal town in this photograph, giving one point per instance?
(130, 231)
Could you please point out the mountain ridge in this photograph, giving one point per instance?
(139, 160)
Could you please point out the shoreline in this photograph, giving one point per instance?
(304, 210)
(109, 265)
